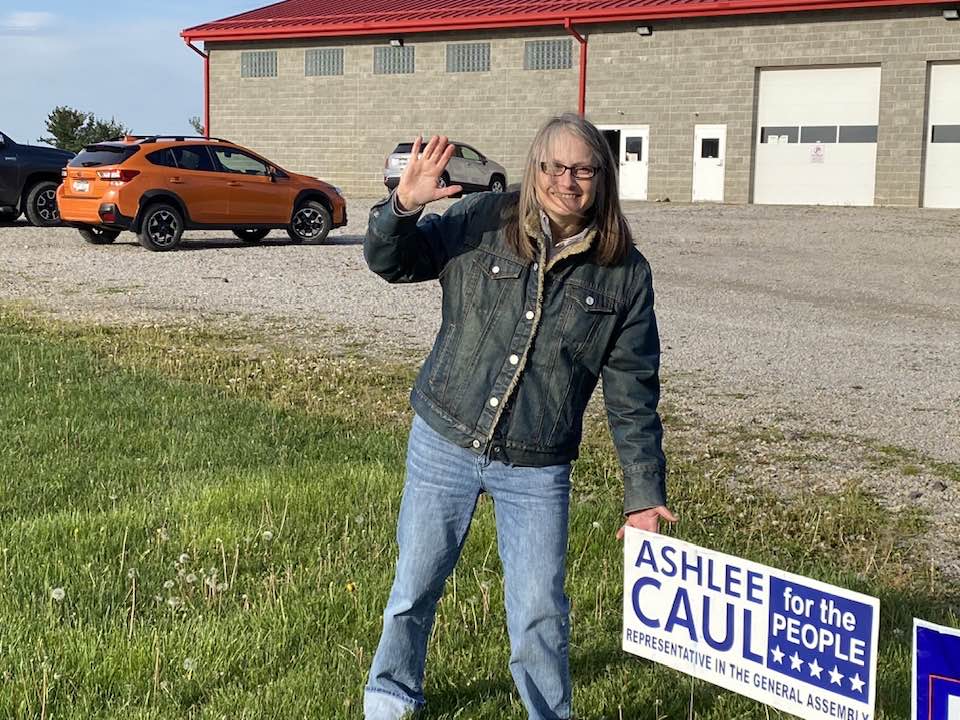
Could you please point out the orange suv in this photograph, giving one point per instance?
(159, 186)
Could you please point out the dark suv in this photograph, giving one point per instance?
(29, 176)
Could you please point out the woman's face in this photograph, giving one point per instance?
(564, 198)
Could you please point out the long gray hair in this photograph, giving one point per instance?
(613, 238)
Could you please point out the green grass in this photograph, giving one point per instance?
(221, 524)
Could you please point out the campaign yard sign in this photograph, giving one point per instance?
(936, 672)
(805, 647)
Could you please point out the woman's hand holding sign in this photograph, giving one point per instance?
(648, 519)
(418, 183)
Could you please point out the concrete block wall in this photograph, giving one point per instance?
(692, 71)
(341, 128)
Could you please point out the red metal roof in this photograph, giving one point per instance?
(318, 18)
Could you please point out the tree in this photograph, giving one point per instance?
(65, 125)
(197, 124)
(73, 129)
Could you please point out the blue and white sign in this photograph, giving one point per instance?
(800, 645)
(936, 672)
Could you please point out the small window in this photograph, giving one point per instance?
(234, 161)
(105, 154)
(818, 134)
(710, 148)
(469, 154)
(634, 149)
(323, 61)
(393, 60)
(945, 134)
(468, 57)
(193, 157)
(548, 54)
(163, 158)
(858, 133)
(779, 135)
(258, 63)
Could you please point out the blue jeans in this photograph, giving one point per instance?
(531, 507)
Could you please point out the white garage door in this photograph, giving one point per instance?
(941, 184)
(817, 136)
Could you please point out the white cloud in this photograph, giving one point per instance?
(155, 89)
(25, 22)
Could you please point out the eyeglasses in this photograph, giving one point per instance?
(580, 172)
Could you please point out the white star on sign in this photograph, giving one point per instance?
(777, 654)
(815, 668)
(795, 662)
(836, 677)
(856, 683)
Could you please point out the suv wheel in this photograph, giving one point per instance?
(161, 228)
(251, 235)
(443, 181)
(310, 223)
(497, 184)
(99, 235)
(9, 216)
(42, 204)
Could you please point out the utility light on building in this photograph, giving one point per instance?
(951, 14)
(396, 42)
(644, 30)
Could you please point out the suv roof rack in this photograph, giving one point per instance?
(154, 138)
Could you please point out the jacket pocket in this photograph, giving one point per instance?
(440, 361)
(588, 318)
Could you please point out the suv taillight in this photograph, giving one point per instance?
(117, 174)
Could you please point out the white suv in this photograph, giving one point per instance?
(468, 167)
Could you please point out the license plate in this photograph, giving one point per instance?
(81, 185)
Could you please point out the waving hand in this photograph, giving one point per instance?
(418, 183)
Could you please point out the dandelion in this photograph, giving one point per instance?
(222, 587)
(351, 587)
(267, 536)
(191, 578)
(188, 664)
(162, 534)
(158, 599)
(58, 594)
(596, 524)
(359, 520)
(183, 559)
(132, 573)
(168, 584)
(173, 601)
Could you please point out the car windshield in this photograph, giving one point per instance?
(98, 155)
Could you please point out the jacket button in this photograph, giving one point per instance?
(536, 266)
(494, 402)
(590, 300)
(476, 443)
(495, 269)
(514, 359)
(496, 451)
(529, 314)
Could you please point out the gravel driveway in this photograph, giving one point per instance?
(840, 320)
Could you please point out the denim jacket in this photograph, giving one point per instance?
(522, 344)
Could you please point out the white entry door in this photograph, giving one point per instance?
(634, 162)
(709, 158)
(631, 146)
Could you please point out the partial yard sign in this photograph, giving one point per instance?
(797, 644)
(936, 672)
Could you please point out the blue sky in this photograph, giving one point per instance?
(120, 59)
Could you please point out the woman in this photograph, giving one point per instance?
(543, 293)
